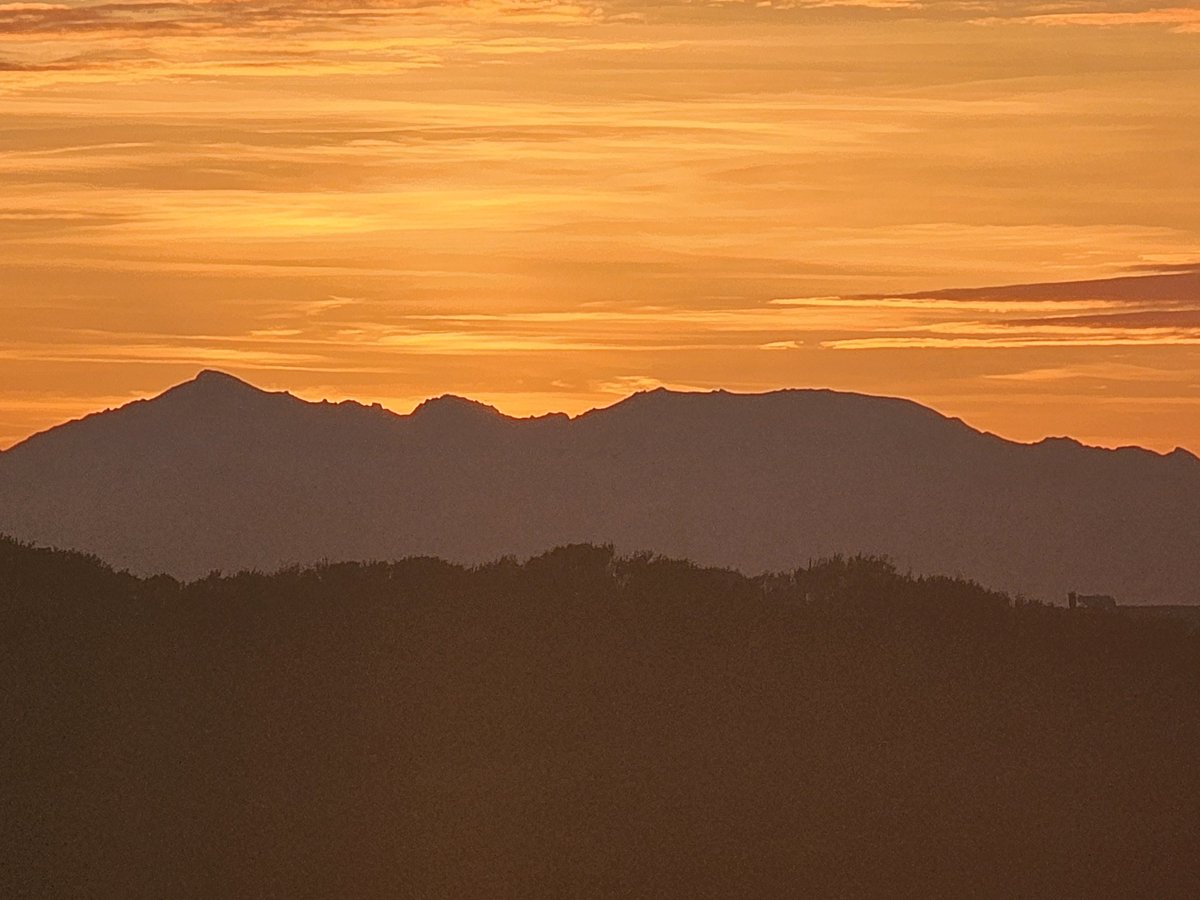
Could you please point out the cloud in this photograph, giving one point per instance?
(1153, 319)
(1015, 342)
(414, 196)
(1097, 371)
(17, 222)
(1127, 311)
(1179, 286)
(1179, 19)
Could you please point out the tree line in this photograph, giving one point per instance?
(585, 724)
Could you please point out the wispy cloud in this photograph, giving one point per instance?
(1179, 19)
(1129, 311)
(535, 199)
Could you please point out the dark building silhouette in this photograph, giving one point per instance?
(1091, 601)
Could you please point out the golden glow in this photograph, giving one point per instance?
(546, 205)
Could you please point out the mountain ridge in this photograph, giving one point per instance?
(216, 473)
(215, 384)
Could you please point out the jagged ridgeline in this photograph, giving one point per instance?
(217, 474)
(585, 724)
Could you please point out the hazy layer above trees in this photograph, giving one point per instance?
(584, 724)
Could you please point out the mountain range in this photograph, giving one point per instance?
(216, 474)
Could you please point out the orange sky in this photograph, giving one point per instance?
(547, 205)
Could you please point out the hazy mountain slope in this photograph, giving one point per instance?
(217, 474)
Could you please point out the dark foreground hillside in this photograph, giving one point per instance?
(585, 726)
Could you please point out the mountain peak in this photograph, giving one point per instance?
(452, 408)
(217, 380)
(213, 388)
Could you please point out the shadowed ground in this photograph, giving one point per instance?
(585, 725)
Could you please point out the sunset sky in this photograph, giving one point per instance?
(548, 205)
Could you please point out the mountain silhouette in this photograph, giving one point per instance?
(218, 474)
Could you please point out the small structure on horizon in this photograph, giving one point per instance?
(1091, 601)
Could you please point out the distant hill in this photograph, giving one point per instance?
(217, 474)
